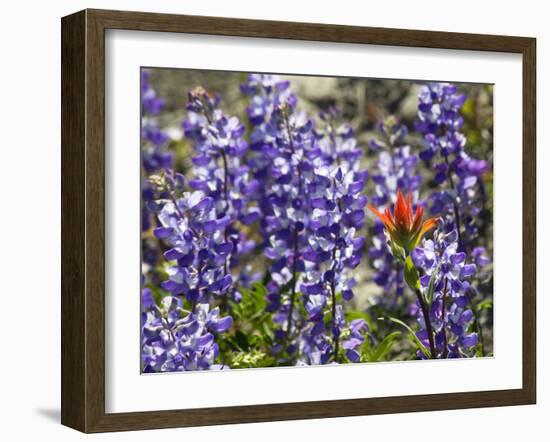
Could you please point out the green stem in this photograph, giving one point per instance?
(445, 349)
(426, 314)
(293, 291)
(335, 339)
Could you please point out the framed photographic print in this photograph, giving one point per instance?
(266, 221)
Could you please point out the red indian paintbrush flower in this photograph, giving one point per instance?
(403, 228)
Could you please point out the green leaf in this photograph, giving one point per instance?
(411, 274)
(268, 331)
(365, 350)
(242, 341)
(157, 293)
(384, 347)
(398, 252)
(259, 289)
(252, 359)
(413, 336)
(431, 286)
(484, 305)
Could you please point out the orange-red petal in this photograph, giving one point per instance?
(400, 212)
(410, 218)
(428, 225)
(405, 226)
(377, 213)
(385, 217)
(417, 219)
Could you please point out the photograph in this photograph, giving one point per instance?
(250, 221)
(293, 220)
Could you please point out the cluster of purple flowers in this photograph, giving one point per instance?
(221, 172)
(155, 157)
(292, 199)
(200, 225)
(153, 152)
(396, 169)
(333, 249)
(174, 339)
(463, 194)
(312, 210)
(199, 247)
(267, 94)
(452, 255)
(449, 273)
(337, 141)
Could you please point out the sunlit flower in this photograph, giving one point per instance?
(461, 195)
(403, 227)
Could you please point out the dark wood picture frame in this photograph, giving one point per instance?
(83, 220)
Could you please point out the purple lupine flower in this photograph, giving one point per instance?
(449, 272)
(199, 248)
(266, 93)
(174, 339)
(334, 248)
(302, 168)
(337, 141)
(154, 155)
(154, 158)
(396, 168)
(151, 102)
(221, 172)
(355, 339)
(463, 195)
(287, 208)
(283, 147)
(315, 347)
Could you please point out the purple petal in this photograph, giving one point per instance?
(163, 232)
(468, 270)
(222, 325)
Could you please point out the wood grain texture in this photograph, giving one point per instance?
(83, 220)
(530, 220)
(144, 21)
(73, 129)
(95, 221)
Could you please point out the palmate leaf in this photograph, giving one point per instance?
(253, 303)
(254, 322)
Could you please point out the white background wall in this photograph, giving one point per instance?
(30, 215)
